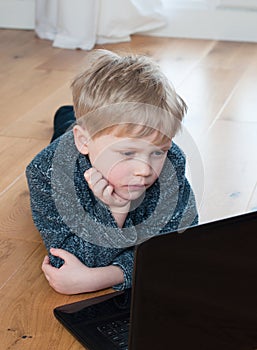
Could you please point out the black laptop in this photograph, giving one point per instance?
(191, 290)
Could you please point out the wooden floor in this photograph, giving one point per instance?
(217, 80)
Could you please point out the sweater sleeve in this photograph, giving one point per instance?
(54, 232)
(126, 262)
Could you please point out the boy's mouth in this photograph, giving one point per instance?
(136, 187)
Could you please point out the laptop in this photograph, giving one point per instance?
(191, 290)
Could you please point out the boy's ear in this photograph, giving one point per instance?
(81, 138)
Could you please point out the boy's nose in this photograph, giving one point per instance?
(143, 169)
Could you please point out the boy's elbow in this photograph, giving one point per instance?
(29, 171)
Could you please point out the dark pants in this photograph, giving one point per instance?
(64, 118)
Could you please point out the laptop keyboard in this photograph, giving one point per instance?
(117, 332)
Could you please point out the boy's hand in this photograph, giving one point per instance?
(103, 190)
(73, 277)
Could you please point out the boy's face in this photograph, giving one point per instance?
(130, 165)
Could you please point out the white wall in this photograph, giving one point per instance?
(211, 19)
(17, 14)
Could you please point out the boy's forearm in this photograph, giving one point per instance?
(74, 277)
(105, 277)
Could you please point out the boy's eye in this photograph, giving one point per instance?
(128, 154)
(159, 153)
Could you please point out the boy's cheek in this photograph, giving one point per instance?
(115, 172)
(158, 169)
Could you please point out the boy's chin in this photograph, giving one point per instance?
(131, 195)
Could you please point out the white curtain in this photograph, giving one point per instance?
(83, 23)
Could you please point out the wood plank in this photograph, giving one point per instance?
(24, 50)
(230, 162)
(243, 104)
(213, 82)
(27, 321)
(15, 154)
(12, 39)
(230, 55)
(205, 91)
(229, 146)
(21, 93)
(14, 253)
(37, 123)
(16, 220)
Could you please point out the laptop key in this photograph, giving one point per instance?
(117, 332)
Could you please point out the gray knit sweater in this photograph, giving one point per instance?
(69, 216)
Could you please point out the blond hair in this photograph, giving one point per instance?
(126, 95)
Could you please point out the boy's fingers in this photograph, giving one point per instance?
(46, 267)
(61, 253)
(99, 187)
(94, 180)
(92, 175)
(109, 194)
(88, 173)
(108, 190)
(115, 199)
(102, 188)
(45, 263)
(46, 260)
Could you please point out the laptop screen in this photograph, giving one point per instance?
(198, 289)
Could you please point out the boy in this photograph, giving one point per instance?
(115, 179)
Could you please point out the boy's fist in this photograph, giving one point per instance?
(104, 191)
